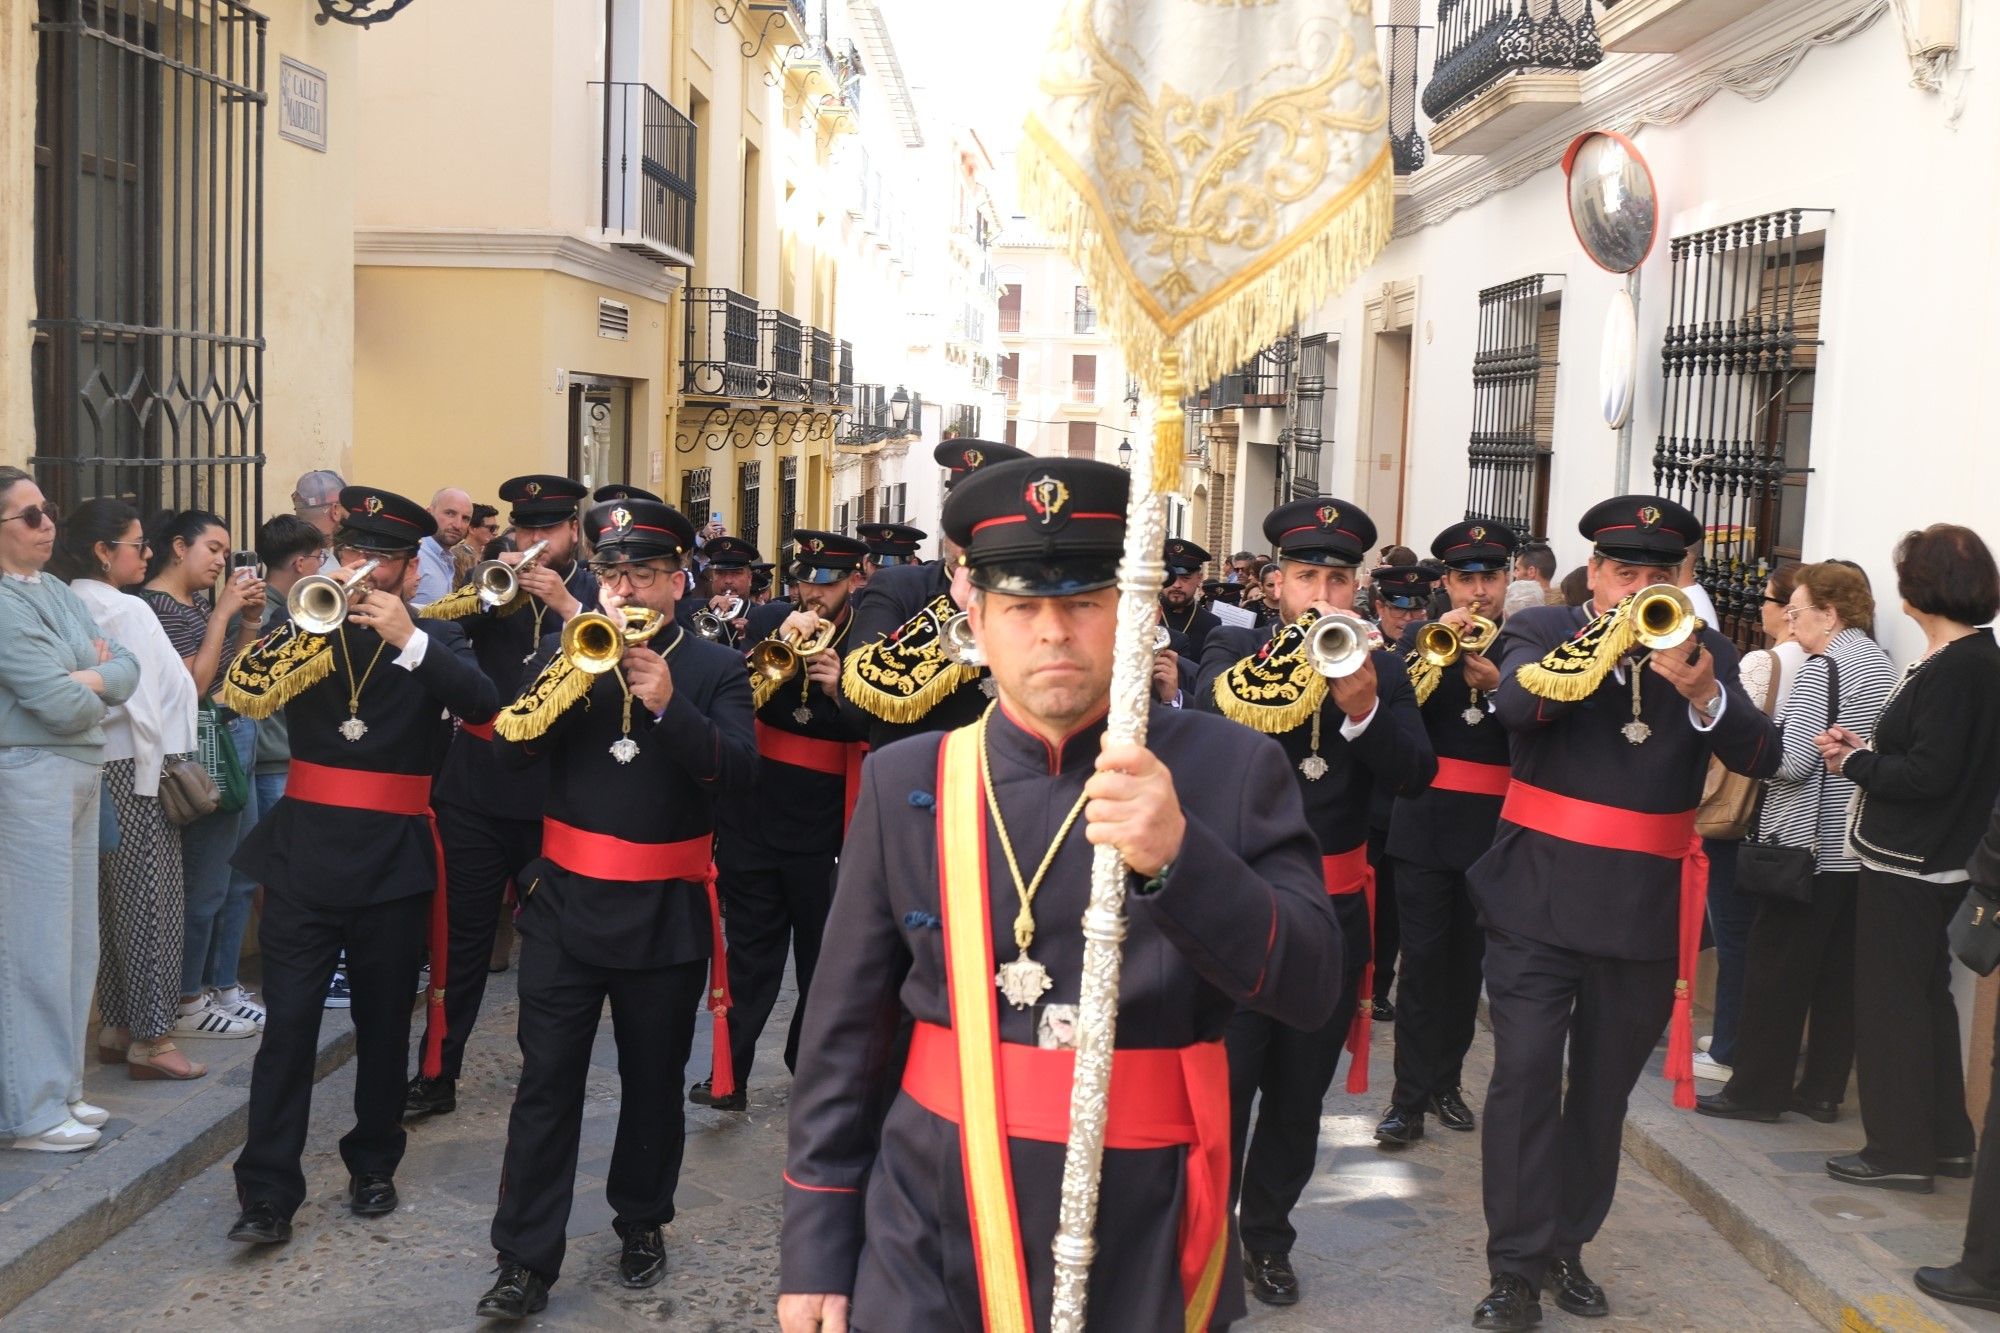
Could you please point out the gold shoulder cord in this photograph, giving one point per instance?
(276, 669)
(901, 677)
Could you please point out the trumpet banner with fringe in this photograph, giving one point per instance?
(1217, 168)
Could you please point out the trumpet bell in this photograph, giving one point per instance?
(1664, 615)
(1441, 645)
(499, 582)
(710, 626)
(1163, 639)
(318, 603)
(594, 642)
(955, 638)
(1336, 645)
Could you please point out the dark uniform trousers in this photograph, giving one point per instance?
(1551, 1156)
(768, 895)
(1388, 920)
(301, 944)
(1291, 1070)
(562, 1000)
(1437, 1004)
(482, 853)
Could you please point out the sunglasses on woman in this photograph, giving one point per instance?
(34, 514)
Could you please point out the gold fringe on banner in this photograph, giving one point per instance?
(1571, 671)
(902, 677)
(1275, 688)
(554, 693)
(275, 670)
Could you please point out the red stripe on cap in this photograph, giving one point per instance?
(1314, 527)
(1023, 518)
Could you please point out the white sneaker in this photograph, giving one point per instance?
(69, 1136)
(86, 1114)
(239, 1003)
(205, 1020)
(1703, 1043)
(1708, 1067)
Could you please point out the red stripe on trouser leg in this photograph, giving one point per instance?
(722, 1075)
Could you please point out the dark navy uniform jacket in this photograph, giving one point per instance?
(698, 751)
(1394, 749)
(794, 810)
(1449, 829)
(331, 856)
(1614, 904)
(876, 1206)
(470, 778)
(892, 596)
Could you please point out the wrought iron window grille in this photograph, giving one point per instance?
(720, 356)
(1301, 442)
(821, 388)
(646, 190)
(1512, 408)
(1482, 41)
(749, 500)
(788, 500)
(781, 340)
(1742, 339)
(694, 495)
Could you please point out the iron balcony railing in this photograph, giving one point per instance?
(720, 360)
(646, 191)
(781, 371)
(843, 389)
(1480, 42)
(822, 366)
(1401, 45)
(963, 423)
(1086, 311)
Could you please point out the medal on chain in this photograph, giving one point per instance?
(354, 728)
(1024, 980)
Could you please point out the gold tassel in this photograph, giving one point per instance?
(762, 687)
(453, 605)
(1571, 671)
(275, 670)
(1425, 677)
(1167, 426)
(554, 692)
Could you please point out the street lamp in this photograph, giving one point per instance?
(899, 408)
(1125, 453)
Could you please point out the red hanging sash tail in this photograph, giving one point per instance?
(391, 794)
(602, 856)
(841, 759)
(1671, 837)
(1345, 873)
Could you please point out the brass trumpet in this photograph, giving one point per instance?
(1441, 645)
(499, 582)
(778, 659)
(956, 641)
(1664, 616)
(714, 625)
(319, 603)
(1337, 644)
(594, 642)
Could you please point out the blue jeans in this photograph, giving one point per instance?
(1729, 916)
(48, 933)
(265, 789)
(218, 904)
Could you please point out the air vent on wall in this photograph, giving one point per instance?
(614, 319)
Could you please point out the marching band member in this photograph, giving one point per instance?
(1436, 834)
(1399, 597)
(642, 737)
(490, 820)
(349, 857)
(896, 679)
(889, 545)
(730, 576)
(777, 849)
(1340, 735)
(1181, 609)
(1592, 893)
(965, 853)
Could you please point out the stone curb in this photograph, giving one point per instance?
(131, 1175)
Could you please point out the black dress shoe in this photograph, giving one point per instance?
(515, 1294)
(1452, 1112)
(430, 1096)
(643, 1262)
(1511, 1305)
(1725, 1107)
(701, 1094)
(1574, 1290)
(1959, 1287)
(1955, 1168)
(1400, 1128)
(1854, 1170)
(260, 1224)
(1824, 1112)
(371, 1196)
(1382, 1011)
(1271, 1278)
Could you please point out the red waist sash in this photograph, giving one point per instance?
(1671, 837)
(1158, 1099)
(391, 794)
(840, 759)
(1472, 778)
(602, 856)
(1344, 873)
(483, 730)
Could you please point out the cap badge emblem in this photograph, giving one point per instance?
(621, 518)
(533, 488)
(1650, 516)
(372, 505)
(1477, 534)
(1046, 496)
(973, 458)
(1328, 516)
(815, 545)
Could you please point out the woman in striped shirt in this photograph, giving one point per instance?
(1800, 958)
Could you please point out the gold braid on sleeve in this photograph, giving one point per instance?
(273, 671)
(552, 694)
(1573, 669)
(1425, 676)
(1275, 688)
(901, 677)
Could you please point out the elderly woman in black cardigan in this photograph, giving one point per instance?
(1928, 779)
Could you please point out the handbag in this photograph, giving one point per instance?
(216, 749)
(1975, 931)
(1771, 869)
(1728, 807)
(187, 792)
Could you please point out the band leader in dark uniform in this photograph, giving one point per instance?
(1341, 736)
(490, 819)
(1398, 598)
(972, 849)
(1435, 835)
(621, 903)
(1592, 893)
(776, 850)
(896, 679)
(349, 857)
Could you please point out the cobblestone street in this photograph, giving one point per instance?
(1386, 1242)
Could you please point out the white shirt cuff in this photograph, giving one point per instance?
(1349, 728)
(412, 655)
(1702, 721)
